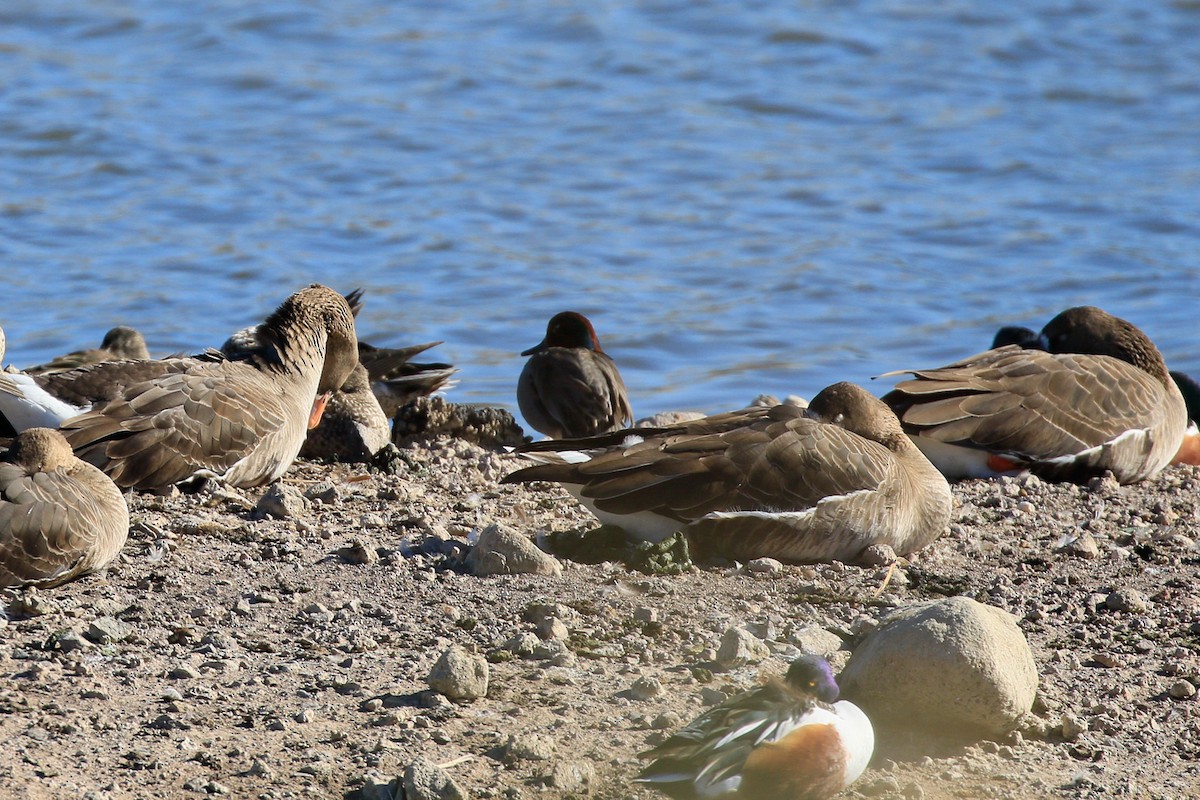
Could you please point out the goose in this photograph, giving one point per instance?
(817, 484)
(1098, 398)
(60, 518)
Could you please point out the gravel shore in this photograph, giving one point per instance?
(277, 643)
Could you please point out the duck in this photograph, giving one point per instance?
(570, 387)
(817, 484)
(242, 420)
(60, 518)
(789, 739)
(121, 343)
(353, 427)
(396, 380)
(1098, 398)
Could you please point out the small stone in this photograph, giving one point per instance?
(878, 555)
(815, 640)
(524, 644)
(324, 492)
(1082, 546)
(1182, 690)
(106, 630)
(425, 781)
(572, 777)
(70, 641)
(553, 628)
(765, 566)
(645, 614)
(1072, 727)
(359, 551)
(740, 647)
(1128, 600)
(645, 688)
(528, 747)
(374, 704)
(281, 502)
(460, 675)
(666, 721)
(183, 672)
(502, 551)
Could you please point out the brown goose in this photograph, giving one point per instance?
(242, 420)
(570, 387)
(59, 517)
(1099, 399)
(353, 427)
(812, 484)
(120, 344)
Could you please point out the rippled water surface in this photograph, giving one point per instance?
(745, 197)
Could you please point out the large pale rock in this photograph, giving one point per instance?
(503, 551)
(953, 666)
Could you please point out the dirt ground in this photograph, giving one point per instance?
(229, 654)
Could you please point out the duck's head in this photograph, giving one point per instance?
(568, 329)
(813, 676)
(852, 407)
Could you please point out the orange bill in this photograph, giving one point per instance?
(318, 408)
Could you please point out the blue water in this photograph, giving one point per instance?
(745, 197)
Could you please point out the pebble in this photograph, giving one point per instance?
(646, 614)
(1072, 727)
(183, 672)
(528, 747)
(460, 675)
(1082, 546)
(765, 566)
(740, 647)
(1182, 690)
(423, 780)
(553, 628)
(106, 630)
(323, 492)
(502, 551)
(572, 777)
(1128, 600)
(359, 551)
(281, 502)
(645, 688)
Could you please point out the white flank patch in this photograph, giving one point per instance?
(31, 406)
(631, 440)
(791, 519)
(560, 457)
(1139, 434)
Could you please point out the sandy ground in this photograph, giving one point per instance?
(228, 654)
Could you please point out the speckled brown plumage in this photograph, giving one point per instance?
(1100, 399)
(59, 517)
(794, 484)
(242, 419)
